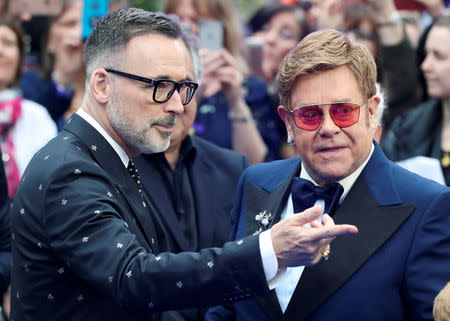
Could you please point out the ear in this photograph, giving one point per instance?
(373, 104)
(286, 117)
(100, 85)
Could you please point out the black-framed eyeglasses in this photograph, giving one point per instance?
(163, 89)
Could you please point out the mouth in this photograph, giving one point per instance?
(167, 128)
(330, 150)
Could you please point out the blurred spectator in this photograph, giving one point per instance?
(186, 10)
(234, 108)
(59, 86)
(436, 9)
(425, 130)
(280, 28)
(441, 308)
(312, 9)
(25, 126)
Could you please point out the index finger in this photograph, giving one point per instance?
(327, 232)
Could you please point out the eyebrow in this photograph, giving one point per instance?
(161, 77)
(342, 100)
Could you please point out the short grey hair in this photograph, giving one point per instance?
(115, 30)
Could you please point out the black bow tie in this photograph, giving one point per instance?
(305, 194)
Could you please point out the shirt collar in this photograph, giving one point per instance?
(346, 182)
(119, 150)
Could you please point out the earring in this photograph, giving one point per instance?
(290, 141)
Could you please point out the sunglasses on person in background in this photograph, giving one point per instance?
(309, 117)
(163, 89)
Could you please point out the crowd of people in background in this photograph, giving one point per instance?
(42, 80)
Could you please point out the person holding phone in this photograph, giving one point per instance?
(59, 85)
(279, 27)
(234, 109)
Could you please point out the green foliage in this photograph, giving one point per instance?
(150, 5)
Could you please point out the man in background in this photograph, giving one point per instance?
(192, 183)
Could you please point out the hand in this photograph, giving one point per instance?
(67, 47)
(297, 245)
(222, 68)
(231, 78)
(381, 11)
(331, 14)
(435, 8)
(6, 304)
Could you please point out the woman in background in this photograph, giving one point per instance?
(279, 28)
(25, 126)
(425, 129)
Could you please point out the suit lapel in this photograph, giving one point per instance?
(261, 202)
(109, 161)
(376, 224)
(269, 203)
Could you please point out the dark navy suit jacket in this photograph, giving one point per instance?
(83, 243)
(391, 270)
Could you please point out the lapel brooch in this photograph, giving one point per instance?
(263, 219)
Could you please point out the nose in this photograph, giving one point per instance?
(174, 104)
(327, 127)
(271, 36)
(426, 64)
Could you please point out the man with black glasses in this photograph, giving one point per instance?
(85, 237)
(398, 262)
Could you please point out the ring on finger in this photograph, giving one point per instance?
(325, 254)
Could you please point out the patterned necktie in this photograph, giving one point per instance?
(134, 175)
(305, 194)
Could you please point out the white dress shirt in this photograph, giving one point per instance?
(119, 150)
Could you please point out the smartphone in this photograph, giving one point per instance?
(254, 55)
(409, 5)
(93, 11)
(210, 33)
(35, 7)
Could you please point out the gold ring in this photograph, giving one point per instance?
(325, 254)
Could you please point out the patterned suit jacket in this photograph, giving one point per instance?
(83, 240)
(391, 270)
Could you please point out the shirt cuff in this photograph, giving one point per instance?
(269, 260)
